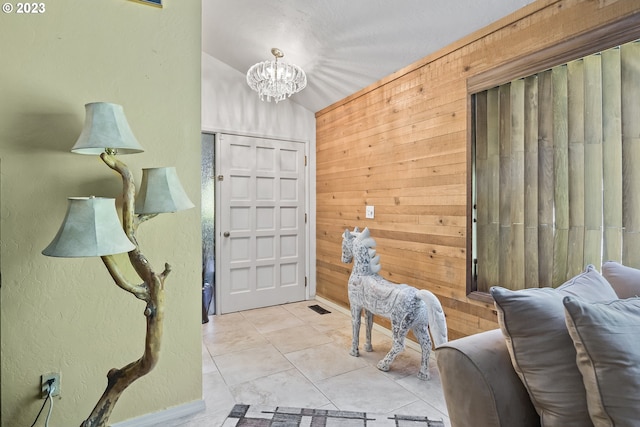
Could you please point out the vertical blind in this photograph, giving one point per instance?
(557, 172)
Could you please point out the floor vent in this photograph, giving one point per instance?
(319, 309)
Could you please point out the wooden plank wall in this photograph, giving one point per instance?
(402, 146)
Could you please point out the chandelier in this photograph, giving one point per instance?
(277, 80)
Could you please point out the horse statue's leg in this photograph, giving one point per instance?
(369, 324)
(420, 330)
(356, 311)
(399, 329)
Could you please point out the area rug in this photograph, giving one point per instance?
(256, 416)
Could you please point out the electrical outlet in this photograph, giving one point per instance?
(55, 376)
(369, 212)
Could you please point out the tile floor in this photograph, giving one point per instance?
(290, 355)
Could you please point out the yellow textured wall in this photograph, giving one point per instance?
(66, 315)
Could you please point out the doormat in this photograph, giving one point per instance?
(319, 309)
(256, 416)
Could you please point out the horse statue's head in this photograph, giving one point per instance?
(347, 244)
(358, 246)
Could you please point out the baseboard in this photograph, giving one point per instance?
(157, 418)
(384, 331)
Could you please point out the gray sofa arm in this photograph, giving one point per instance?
(480, 387)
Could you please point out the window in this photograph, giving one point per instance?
(555, 181)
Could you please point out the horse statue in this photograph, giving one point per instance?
(407, 307)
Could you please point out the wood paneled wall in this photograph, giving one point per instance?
(402, 146)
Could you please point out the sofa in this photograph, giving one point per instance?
(551, 363)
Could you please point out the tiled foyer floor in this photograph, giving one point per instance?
(290, 355)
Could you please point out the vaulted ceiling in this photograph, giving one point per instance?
(343, 45)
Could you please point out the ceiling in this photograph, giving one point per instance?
(342, 45)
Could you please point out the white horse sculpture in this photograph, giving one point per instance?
(408, 308)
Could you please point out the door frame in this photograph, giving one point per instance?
(310, 282)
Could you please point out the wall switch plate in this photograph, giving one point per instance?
(370, 212)
(55, 376)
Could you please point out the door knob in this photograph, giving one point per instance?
(226, 234)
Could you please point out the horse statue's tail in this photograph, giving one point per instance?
(437, 321)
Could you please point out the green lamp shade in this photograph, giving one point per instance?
(90, 228)
(161, 192)
(106, 127)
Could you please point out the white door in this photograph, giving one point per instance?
(261, 232)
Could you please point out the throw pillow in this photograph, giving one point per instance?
(624, 280)
(541, 350)
(605, 336)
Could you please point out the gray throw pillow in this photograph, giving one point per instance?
(541, 350)
(624, 280)
(607, 341)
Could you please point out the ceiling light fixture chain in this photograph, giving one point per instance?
(276, 79)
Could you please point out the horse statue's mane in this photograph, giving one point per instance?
(369, 243)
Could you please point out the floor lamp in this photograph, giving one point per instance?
(92, 228)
